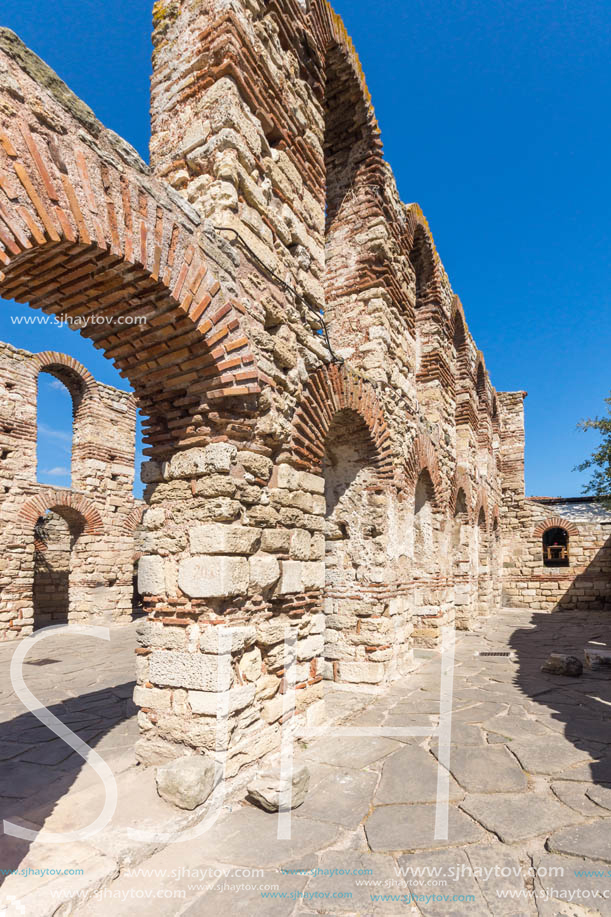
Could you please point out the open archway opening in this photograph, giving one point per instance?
(357, 629)
(429, 604)
(57, 574)
(483, 561)
(495, 563)
(461, 561)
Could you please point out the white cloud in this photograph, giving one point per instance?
(55, 383)
(62, 435)
(57, 472)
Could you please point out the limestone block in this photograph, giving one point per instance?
(156, 635)
(209, 577)
(267, 687)
(290, 579)
(213, 703)
(264, 571)
(276, 541)
(222, 639)
(313, 482)
(187, 782)
(204, 672)
(313, 575)
(153, 517)
(273, 791)
(317, 546)
(272, 631)
(156, 698)
(366, 673)
(273, 709)
(216, 538)
(217, 457)
(256, 464)
(151, 473)
(311, 647)
(287, 477)
(250, 664)
(187, 464)
(220, 456)
(214, 485)
(301, 544)
(151, 576)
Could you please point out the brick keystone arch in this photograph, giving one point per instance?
(86, 232)
(56, 499)
(50, 360)
(133, 520)
(328, 391)
(553, 522)
(421, 457)
(462, 481)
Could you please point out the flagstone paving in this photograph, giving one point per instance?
(529, 788)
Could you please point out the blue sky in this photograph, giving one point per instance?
(494, 116)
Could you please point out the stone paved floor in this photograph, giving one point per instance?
(530, 797)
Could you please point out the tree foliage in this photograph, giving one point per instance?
(599, 462)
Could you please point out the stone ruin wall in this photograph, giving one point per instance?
(82, 558)
(348, 496)
(527, 582)
(262, 121)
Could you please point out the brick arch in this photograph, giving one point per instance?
(86, 232)
(328, 391)
(553, 522)
(462, 481)
(422, 457)
(495, 519)
(132, 520)
(57, 499)
(76, 377)
(481, 503)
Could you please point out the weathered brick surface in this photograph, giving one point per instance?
(341, 490)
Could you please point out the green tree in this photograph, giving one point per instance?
(599, 484)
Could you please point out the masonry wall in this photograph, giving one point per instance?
(303, 517)
(67, 553)
(585, 583)
(318, 416)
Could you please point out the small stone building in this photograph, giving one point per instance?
(556, 550)
(66, 554)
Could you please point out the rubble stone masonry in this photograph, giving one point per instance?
(326, 454)
(66, 554)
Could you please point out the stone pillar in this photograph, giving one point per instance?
(230, 545)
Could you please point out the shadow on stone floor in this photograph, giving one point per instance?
(38, 769)
(577, 708)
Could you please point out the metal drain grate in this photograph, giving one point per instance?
(507, 655)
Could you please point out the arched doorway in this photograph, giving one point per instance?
(461, 572)
(339, 432)
(483, 561)
(57, 588)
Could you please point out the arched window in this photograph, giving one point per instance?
(60, 393)
(555, 543)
